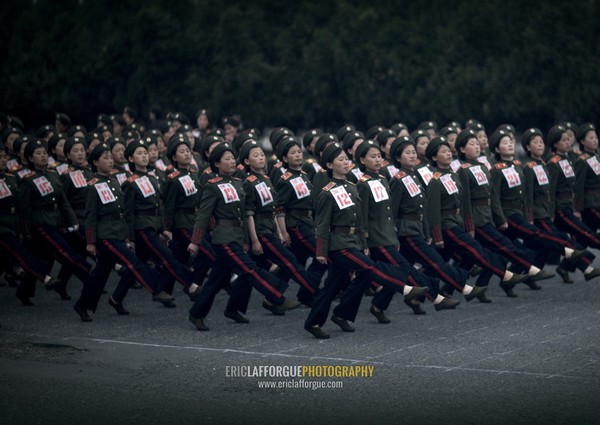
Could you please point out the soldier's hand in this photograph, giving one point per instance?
(577, 214)
(366, 251)
(322, 260)
(91, 249)
(257, 248)
(285, 239)
(166, 236)
(439, 245)
(130, 245)
(192, 249)
(503, 226)
(471, 233)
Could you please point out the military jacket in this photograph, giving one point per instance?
(61, 167)
(424, 171)
(409, 201)
(537, 190)
(105, 210)
(9, 201)
(311, 167)
(223, 199)
(478, 195)
(388, 170)
(378, 224)
(444, 207)
(260, 202)
(295, 198)
(43, 202)
(75, 185)
(509, 184)
(181, 199)
(277, 171)
(587, 181)
(143, 208)
(120, 173)
(486, 158)
(562, 182)
(339, 218)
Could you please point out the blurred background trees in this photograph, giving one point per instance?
(304, 63)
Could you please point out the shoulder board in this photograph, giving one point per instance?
(169, 167)
(208, 170)
(133, 178)
(517, 162)
(303, 172)
(29, 174)
(251, 178)
(400, 174)
(465, 165)
(555, 159)
(215, 180)
(436, 175)
(365, 177)
(237, 179)
(52, 171)
(274, 157)
(329, 186)
(16, 167)
(114, 171)
(267, 177)
(310, 160)
(9, 174)
(584, 156)
(278, 165)
(531, 164)
(500, 165)
(241, 167)
(174, 174)
(385, 163)
(350, 183)
(93, 181)
(286, 176)
(418, 162)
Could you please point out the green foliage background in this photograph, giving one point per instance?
(304, 63)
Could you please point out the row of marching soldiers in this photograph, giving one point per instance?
(358, 214)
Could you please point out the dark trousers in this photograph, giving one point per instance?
(78, 242)
(110, 252)
(591, 217)
(304, 246)
(416, 250)
(490, 237)
(232, 258)
(566, 220)
(391, 255)
(548, 227)
(201, 263)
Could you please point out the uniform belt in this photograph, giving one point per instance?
(453, 211)
(303, 213)
(564, 195)
(264, 215)
(148, 213)
(347, 230)
(512, 204)
(484, 202)
(232, 223)
(411, 217)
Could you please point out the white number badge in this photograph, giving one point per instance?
(479, 175)
(229, 193)
(512, 177)
(342, 198)
(449, 184)
(378, 191)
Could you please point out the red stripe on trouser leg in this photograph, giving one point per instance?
(434, 266)
(304, 242)
(243, 266)
(542, 235)
(200, 247)
(393, 262)
(125, 260)
(575, 226)
(299, 278)
(61, 251)
(22, 262)
(507, 252)
(366, 267)
(475, 254)
(164, 261)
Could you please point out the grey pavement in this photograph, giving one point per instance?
(528, 360)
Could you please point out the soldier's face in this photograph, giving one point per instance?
(105, 163)
(340, 165)
(408, 157)
(39, 158)
(183, 155)
(77, 154)
(119, 153)
(443, 156)
(294, 157)
(452, 142)
(506, 147)
(59, 150)
(372, 160)
(152, 153)
(140, 157)
(563, 146)
(590, 141)
(471, 149)
(536, 146)
(10, 140)
(226, 165)
(421, 146)
(256, 159)
(482, 139)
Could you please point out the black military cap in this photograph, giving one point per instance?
(434, 146)
(554, 136)
(351, 138)
(528, 135)
(398, 127)
(329, 153)
(341, 133)
(241, 139)
(246, 148)
(417, 134)
(384, 135)
(103, 119)
(372, 132)
(508, 128)
(32, 146)
(19, 141)
(113, 141)
(207, 142)
(477, 126)
(428, 125)
(218, 152)
(472, 122)
(323, 140)
(72, 141)
(217, 132)
(310, 135)
(184, 128)
(463, 137)
(278, 134)
(569, 125)
(231, 121)
(448, 130)
(131, 147)
(96, 153)
(94, 135)
(44, 130)
(154, 132)
(284, 146)
(12, 130)
(53, 141)
(583, 130)
(495, 138)
(174, 143)
(399, 145)
(72, 130)
(103, 128)
(63, 118)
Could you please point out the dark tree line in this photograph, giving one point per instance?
(304, 63)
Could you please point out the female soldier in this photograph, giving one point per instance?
(121, 171)
(587, 178)
(342, 241)
(478, 200)
(44, 211)
(444, 215)
(107, 237)
(422, 167)
(408, 209)
(380, 232)
(223, 198)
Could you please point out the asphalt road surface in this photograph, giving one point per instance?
(528, 360)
